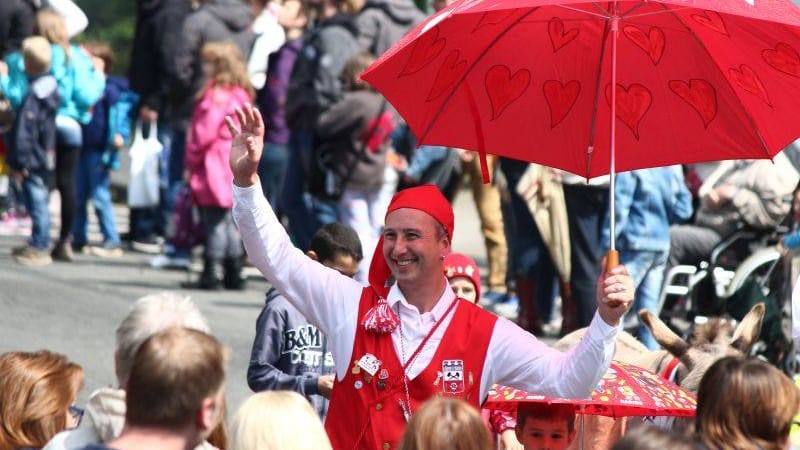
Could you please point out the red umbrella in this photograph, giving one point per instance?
(625, 390)
(698, 80)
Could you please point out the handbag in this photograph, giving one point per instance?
(143, 183)
(188, 229)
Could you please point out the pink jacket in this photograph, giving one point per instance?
(208, 146)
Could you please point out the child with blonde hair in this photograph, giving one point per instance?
(207, 171)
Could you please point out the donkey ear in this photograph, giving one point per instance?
(663, 335)
(748, 329)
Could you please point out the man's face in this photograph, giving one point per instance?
(545, 434)
(413, 245)
(344, 264)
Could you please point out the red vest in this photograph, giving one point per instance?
(365, 410)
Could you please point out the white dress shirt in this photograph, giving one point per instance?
(330, 301)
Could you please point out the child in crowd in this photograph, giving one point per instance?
(445, 424)
(464, 277)
(103, 136)
(32, 143)
(288, 352)
(207, 168)
(541, 426)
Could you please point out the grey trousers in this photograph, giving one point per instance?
(690, 244)
(222, 237)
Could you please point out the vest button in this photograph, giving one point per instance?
(386, 446)
(379, 407)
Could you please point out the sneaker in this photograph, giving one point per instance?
(170, 262)
(493, 298)
(19, 250)
(150, 244)
(33, 257)
(83, 249)
(509, 309)
(62, 252)
(107, 250)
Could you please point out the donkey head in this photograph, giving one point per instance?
(710, 342)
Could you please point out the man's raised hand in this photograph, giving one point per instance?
(247, 145)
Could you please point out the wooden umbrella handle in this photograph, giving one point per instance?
(612, 260)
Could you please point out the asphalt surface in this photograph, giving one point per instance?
(74, 308)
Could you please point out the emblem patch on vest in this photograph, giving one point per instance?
(370, 364)
(453, 376)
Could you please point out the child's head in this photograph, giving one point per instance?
(354, 67)
(446, 424)
(224, 64)
(542, 426)
(103, 51)
(36, 54)
(337, 246)
(464, 276)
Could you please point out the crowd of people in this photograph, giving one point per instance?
(372, 323)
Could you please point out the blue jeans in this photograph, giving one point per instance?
(36, 195)
(272, 169)
(647, 270)
(92, 182)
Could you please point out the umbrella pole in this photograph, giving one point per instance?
(612, 257)
(583, 428)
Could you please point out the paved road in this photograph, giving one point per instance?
(75, 308)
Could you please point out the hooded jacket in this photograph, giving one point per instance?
(34, 132)
(214, 20)
(381, 23)
(155, 43)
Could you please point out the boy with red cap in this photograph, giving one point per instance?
(397, 344)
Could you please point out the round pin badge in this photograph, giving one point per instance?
(358, 384)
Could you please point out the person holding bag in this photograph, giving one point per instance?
(356, 131)
(207, 171)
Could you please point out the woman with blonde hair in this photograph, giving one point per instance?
(446, 424)
(745, 404)
(207, 170)
(37, 391)
(278, 420)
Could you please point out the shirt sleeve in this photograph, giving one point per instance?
(328, 299)
(516, 358)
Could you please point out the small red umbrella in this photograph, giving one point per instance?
(693, 80)
(625, 390)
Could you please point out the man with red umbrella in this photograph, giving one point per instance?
(395, 345)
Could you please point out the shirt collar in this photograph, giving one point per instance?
(396, 296)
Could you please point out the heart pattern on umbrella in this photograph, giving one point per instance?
(558, 37)
(503, 88)
(712, 20)
(700, 95)
(560, 99)
(449, 72)
(652, 43)
(632, 104)
(426, 49)
(783, 58)
(746, 78)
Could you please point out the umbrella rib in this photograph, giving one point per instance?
(463, 77)
(597, 89)
(736, 95)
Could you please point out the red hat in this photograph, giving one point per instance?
(460, 265)
(426, 198)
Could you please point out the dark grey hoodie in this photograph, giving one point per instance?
(288, 353)
(381, 23)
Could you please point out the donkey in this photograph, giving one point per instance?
(682, 362)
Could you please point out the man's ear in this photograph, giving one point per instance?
(208, 414)
(313, 255)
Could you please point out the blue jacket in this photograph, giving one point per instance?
(648, 201)
(80, 86)
(34, 132)
(109, 116)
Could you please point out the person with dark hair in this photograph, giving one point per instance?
(288, 352)
(542, 426)
(174, 397)
(654, 438)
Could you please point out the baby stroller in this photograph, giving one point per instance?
(745, 268)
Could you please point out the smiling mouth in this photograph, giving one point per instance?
(405, 262)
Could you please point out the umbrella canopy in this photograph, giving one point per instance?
(625, 390)
(696, 80)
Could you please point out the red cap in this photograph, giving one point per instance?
(426, 198)
(460, 265)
